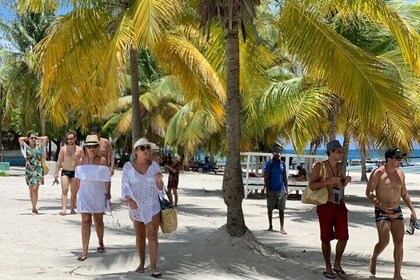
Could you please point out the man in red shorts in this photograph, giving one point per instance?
(332, 215)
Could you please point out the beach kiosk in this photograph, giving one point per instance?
(253, 170)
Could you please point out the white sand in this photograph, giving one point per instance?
(46, 246)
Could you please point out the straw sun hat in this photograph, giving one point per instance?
(91, 140)
(176, 156)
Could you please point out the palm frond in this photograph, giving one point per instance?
(372, 85)
(150, 18)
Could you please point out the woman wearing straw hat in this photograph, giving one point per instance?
(174, 168)
(94, 184)
(141, 183)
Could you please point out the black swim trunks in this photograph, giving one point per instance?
(394, 215)
(67, 173)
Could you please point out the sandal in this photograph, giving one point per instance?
(101, 250)
(341, 273)
(328, 275)
(156, 274)
(139, 270)
(82, 258)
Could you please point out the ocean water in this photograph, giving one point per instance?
(410, 165)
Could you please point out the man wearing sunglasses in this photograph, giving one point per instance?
(68, 158)
(385, 189)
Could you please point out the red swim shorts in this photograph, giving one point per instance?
(333, 221)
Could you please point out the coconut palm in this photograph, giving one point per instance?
(18, 73)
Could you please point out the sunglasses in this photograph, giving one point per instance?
(32, 138)
(143, 148)
(92, 147)
(397, 158)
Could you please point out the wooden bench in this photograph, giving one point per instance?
(253, 184)
(298, 186)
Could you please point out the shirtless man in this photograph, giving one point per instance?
(385, 189)
(68, 158)
(105, 149)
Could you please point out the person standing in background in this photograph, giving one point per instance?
(275, 183)
(174, 168)
(105, 148)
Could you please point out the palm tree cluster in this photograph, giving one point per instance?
(229, 75)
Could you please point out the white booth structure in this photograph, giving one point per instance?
(253, 170)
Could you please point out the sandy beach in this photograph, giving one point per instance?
(45, 246)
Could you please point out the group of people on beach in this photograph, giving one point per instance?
(385, 189)
(87, 173)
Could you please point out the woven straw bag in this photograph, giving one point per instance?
(168, 220)
(319, 196)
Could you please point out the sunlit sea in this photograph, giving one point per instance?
(411, 165)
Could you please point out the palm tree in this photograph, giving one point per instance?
(18, 73)
(233, 15)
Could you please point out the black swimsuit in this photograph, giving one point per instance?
(68, 173)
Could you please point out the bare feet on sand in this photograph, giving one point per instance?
(372, 267)
(62, 213)
(282, 231)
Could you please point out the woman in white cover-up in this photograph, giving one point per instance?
(93, 179)
(141, 183)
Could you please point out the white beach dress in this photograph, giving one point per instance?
(91, 195)
(143, 190)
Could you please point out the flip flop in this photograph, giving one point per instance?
(82, 258)
(328, 275)
(139, 270)
(156, 274)
(340, 272)
(101, 250)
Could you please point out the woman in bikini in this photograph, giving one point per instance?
(93, 178)
(141, 183)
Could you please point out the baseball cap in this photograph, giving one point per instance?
(277, 150)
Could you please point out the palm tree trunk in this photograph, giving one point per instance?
(363, 177)
(42, 120)
(346, 147)
(1, 122)
(233, 190)
(136, 127)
